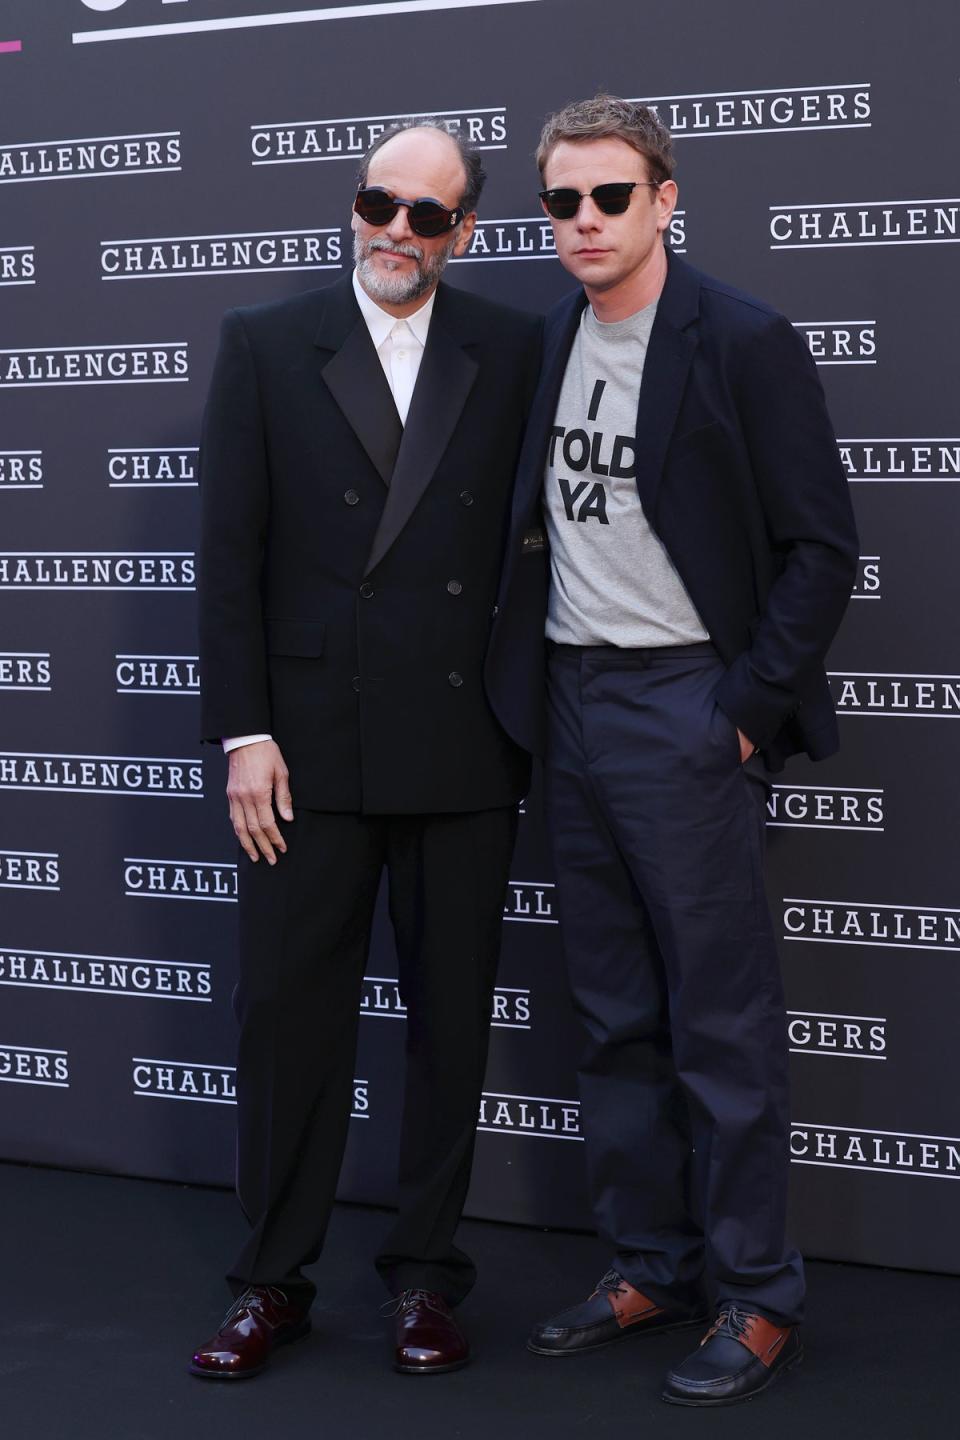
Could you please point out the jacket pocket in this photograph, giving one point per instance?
(304, 638)
(695, 442)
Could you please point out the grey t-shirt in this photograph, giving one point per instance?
(611, 580)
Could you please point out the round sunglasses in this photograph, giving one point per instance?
(427, 217)
(612, 199)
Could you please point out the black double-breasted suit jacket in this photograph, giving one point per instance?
(349, 564)
(739, 475)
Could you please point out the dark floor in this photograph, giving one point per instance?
(108, 1284)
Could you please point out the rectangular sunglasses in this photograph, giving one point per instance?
(611, 199)
(427, 217)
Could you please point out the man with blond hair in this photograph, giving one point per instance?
(692, 560)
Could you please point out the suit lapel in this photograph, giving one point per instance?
(355, 378)
(558, 340)
(670, 352)
(445, 379)
(558, 337)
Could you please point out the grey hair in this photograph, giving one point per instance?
(608, 116)
(474, 173)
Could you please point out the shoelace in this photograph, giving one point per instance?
(406, 1301)
(730, 1322)
(613, 1281)
(252, 1300)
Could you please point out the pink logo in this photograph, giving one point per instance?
(7, 47)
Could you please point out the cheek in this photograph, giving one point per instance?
(565, 241)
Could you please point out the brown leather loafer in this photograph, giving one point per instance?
(740, 1355)
(259, 1320)
(615, 1310)
(429, 1340)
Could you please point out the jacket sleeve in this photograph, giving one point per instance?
(810, 527)
(235, 503)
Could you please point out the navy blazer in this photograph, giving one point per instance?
(740, 476)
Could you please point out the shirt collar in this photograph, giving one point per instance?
(380, 323)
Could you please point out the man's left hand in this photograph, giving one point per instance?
(747, 747)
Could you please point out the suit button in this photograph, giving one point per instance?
(465, 497)
(366, 590)
(454, 587)
(351, 497)
(355, 682)
(455, 678)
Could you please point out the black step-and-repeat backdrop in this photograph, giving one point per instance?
(161, 160)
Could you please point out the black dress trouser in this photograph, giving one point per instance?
(304, 936)
(657, 833)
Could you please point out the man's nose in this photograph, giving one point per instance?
(399, 227)
(589, 215)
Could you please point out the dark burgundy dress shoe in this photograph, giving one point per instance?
(740, 1355)
(614, 1310)
(429, 1340)
(259, 1320)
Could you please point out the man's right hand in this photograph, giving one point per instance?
(256, 777)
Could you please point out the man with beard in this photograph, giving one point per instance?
(358, 450)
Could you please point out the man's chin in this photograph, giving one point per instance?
(392, 288)
(599, 274)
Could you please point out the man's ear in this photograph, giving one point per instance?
(666, 200)
(467, 226)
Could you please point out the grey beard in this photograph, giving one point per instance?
(399, 289)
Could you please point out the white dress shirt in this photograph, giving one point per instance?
(399, 345)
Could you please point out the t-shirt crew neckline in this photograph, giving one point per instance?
(611, 329)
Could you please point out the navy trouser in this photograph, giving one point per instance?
(657, 833)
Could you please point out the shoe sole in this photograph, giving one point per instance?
(431, 1369)
(201, 1374)
(624, 1334)
(735, 1399)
